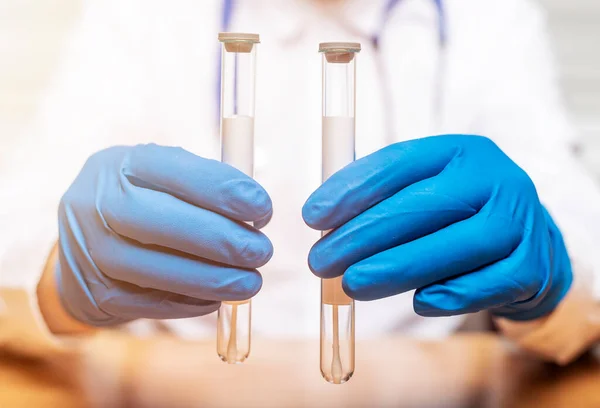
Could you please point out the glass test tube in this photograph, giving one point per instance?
(238, 74)
(337, 309)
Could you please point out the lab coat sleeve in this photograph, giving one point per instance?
(523, 112)
(95, 100)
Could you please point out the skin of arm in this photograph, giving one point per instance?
(58, 320)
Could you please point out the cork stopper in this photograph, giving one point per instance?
(239, 42)
(339, 52)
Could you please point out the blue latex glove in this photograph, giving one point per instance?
(157, 232)
(450, 216)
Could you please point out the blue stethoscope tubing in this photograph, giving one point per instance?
(228, 6)
(227, 14)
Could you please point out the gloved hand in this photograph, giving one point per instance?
(157, 232)
(450, 216)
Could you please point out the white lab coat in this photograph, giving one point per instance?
(144, 71)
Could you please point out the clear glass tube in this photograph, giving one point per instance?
(338, 142)
(238, 78)
(234, 331)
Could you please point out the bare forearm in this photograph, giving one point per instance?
(571, 329)
(56, 317)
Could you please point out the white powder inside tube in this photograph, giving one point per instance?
(237, 143)
(338, 144)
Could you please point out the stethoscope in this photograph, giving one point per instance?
(374, 40)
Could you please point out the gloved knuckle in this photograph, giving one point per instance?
(518, 182)
(351, 288)
(482, 141)
(118, 206)
(240, 286)
(104, 264)
(486, 141)
(537, 283)
(470, 140)
(525, 182)
(128, 161)
(451, 305)
(315, 262)
(255, 253)
(106, 304)
(97, 157)
(143, 148)
(525, 286)
(254, 195)
(109, 258)
(62, 205)
(262, 202)
(105, 157)
(150, 150)
(109, 212)
(68, 208)
(252, 285)
(248, 194)
(138, 155)
(71, 199)
(396, 147)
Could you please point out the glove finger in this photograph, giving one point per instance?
(156, 218)
(260, 224)
(368, 181)
(454, 250)
(131, 302)
(158, 268)
(416, 211)
(490, 287)
(99, 300)
(202, 182)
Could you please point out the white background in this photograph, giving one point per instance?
(575, 29)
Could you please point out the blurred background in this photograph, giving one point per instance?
(32, 33)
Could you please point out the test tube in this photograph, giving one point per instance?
(337, 309)
(238, 74)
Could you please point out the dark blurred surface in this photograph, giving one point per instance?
(469, 370)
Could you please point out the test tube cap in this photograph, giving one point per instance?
(243, 37)
(239, 42)
(339, 47)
